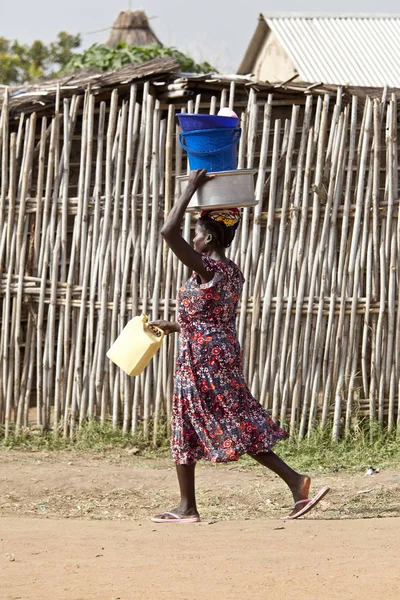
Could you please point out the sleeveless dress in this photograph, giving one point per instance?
(214, 415)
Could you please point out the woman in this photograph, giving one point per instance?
(214, 415)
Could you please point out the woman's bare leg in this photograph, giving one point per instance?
(186, 480)
(187, 505)
(298, 484)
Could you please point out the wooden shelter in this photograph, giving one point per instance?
(132, 27)
(338, 48)
(88, 171)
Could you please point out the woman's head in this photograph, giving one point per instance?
(216, 229)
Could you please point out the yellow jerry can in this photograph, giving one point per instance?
(136, 345)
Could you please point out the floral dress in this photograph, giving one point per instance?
(214, 415)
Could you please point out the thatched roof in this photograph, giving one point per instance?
(132, 27)
(169, 86)
(41, 96)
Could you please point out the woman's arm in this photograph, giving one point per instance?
(171, 230)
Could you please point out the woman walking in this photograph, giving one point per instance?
(214, 415)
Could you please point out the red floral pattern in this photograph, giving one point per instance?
(214, 415)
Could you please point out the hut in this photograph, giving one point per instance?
(132, 27)
(88, 172)
(336, 48)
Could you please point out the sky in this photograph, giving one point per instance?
(214, 30)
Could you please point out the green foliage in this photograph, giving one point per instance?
(61, 50)
(9, 63)
(20, 63)
(93, 436)
(103, 58)
(366, 445)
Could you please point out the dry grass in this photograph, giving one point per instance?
(119, 486)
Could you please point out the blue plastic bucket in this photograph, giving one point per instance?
(198, 121)
(211, 149)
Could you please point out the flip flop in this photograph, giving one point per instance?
(308, 504)
(174, 518)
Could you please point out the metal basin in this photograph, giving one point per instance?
(226, 189)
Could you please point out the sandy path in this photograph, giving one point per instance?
(83, 560)
(75, 526)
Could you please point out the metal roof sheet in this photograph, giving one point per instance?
(359, 50)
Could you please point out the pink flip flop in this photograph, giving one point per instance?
(308, 504)
(174, 518)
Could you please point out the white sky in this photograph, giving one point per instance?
(214, 30)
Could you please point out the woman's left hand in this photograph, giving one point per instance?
(167, 326)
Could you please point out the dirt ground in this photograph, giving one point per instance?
(76, 527)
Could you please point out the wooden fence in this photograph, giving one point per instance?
(318, 322)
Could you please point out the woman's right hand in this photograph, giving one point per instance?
(167, 326)
(198, 178)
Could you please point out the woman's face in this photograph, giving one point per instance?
(201, 240)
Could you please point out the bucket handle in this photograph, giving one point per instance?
(210, 152)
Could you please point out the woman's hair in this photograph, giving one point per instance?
(222, 234)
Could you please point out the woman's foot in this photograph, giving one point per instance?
(302, 507)
(300, 490)
(178, 515)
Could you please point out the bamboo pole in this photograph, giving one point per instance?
(334, 189)
(21, 247)
(5, 156)
(256, 229)
(319, 168)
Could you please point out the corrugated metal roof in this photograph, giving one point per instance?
(361, 50)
